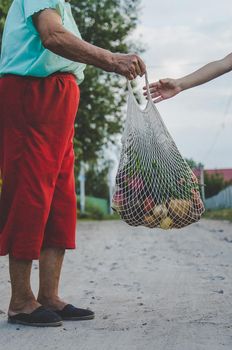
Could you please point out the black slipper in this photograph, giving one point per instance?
(40, 317)
(72, 313)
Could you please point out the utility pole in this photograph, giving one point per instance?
(202, 182)
(110, 185)
(82, 187)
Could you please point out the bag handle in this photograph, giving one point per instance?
(147, 86)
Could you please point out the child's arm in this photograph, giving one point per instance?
(166, 88)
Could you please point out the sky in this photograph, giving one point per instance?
(180, 36)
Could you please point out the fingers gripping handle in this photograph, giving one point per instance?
(147, 86)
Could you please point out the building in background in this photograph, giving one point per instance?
(216, 185)
(226, 173)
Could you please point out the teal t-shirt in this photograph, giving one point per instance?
(22, 50)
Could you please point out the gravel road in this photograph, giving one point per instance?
(150, 289)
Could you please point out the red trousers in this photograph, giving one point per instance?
(38, 200)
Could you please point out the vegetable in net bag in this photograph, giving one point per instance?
(155, 187)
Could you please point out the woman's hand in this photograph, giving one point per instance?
(128, 65)
(163, 89)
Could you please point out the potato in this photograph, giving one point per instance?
(179, 208)
(159, 212)
(166, 223)
(150, 221)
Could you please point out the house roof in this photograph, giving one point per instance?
(227, 173)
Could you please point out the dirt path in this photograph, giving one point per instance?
(150, 289)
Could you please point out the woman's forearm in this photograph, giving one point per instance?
(56, 38)
(208, 72)
(67, 45)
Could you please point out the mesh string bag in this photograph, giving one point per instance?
(154, 186)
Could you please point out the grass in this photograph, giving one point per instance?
(219, 214)
(105, 217)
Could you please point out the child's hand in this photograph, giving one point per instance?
(163, 89)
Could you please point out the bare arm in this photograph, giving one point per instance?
(63, 43)
(208, 72)
(166, 88)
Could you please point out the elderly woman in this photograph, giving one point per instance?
(42, 62)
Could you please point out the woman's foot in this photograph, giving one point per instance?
(66, 311)
(40, 317)
(72, 313)
(52, 303)
(22, 306)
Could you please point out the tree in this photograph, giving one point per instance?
(108, 24)
(214, 183)
(97, 180)
(193, 164)
(4, 7)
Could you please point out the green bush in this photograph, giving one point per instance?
(92, 212)
(219, 214)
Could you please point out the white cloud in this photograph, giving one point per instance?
(180, 36)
